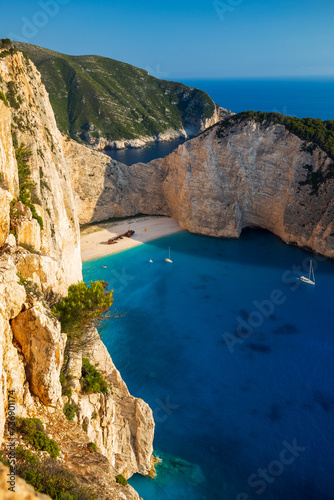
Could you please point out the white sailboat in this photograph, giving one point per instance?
(169, 259)
(310, 274)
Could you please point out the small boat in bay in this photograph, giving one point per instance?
(310, 275)
(169, 259)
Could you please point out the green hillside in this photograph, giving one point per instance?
(94, 96)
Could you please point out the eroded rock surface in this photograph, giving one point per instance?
(39, 261)
(229, 178)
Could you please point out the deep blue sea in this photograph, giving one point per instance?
(234, 355)
(303, 97)
(313, 97)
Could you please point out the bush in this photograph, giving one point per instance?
(5, 43)
(26, 184)
(120, 479)
(15, 140)
(3, 98)
(66, 389)
(28, 247)
(49, 477)
(70, 410)
(11, 96)
(3, 460)
(92, 380)
(26, 456)
(23, 155)
(41, 442)
(32, 431)
(92, 447)
(80, 310)
(36, 216)
(30, 287)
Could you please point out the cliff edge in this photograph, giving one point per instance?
(246, 171)
(39, 259)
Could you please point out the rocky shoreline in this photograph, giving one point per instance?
(102, 143)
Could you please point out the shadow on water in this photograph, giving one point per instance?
(231, 250)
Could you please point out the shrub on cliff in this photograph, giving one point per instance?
(49, 477)
(26, 184)
(70, 410)
(12, 97)
(30, 287)
(32, 431)
(92, 380)
(92, 447)
(6, 43)
(82, 309)
(3, 98)
(120, 479)
(65, 381)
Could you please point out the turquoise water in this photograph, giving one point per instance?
(228, 404)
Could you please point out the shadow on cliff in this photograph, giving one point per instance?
(263, 248)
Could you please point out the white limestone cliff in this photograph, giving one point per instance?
(246, 174)
(43, 260)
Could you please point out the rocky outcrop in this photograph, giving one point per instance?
(31, 355)
(233, 176)
(122, 426)
(43, 351)
(28, 120)
(105, 188)
(5, 199)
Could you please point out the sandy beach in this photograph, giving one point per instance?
(94, 239)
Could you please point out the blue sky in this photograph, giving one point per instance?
(184, 38)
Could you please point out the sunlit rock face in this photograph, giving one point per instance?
(231, 177)
(36, 261)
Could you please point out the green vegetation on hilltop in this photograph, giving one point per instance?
(312, 130)
(93, 96)
(6, 47)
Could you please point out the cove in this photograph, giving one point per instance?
(251, 421)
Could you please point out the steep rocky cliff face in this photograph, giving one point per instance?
(28, 120)
(235, 175)
(40, 258)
